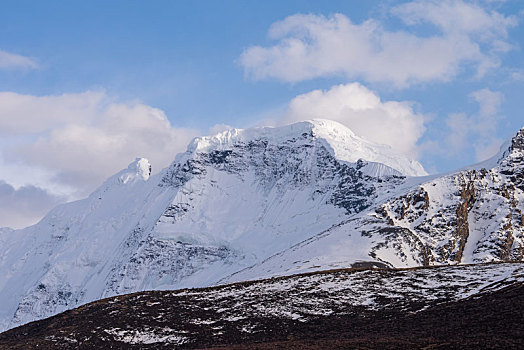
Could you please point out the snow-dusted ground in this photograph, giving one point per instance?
(372, 289)
(181, 317)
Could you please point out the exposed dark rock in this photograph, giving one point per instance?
(517, 142)
(467, 196)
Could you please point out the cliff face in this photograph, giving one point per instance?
(467, 196)
(474, 215)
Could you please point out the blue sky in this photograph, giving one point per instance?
(169, 54)
(85, 85)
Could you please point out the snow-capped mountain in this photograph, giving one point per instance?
(245, 204)
(471, 216)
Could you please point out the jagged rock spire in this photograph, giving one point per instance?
(518, 141)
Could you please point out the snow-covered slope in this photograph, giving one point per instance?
(249, 203)
(471, 216)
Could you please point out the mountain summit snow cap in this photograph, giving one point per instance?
(348, 146)
(136, 173)
(343, 143)
(139, 169)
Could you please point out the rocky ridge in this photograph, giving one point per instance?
(471, 216)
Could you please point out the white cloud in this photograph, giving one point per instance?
(517, 74)
(388, 122)
(24, 206)
(456, 17)
(81, 139)
(218, 128)
(479, 129)
(14, 61)
(311, 46)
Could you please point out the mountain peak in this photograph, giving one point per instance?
(511, 148)
(348, 146)
(341, 141)
(140, 168)
(137, 171)
(517, 142)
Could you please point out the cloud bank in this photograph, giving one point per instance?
(464, 35)
(387, 122)
(81, 139)
(24, 206)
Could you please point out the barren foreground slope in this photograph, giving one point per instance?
(465, 306)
